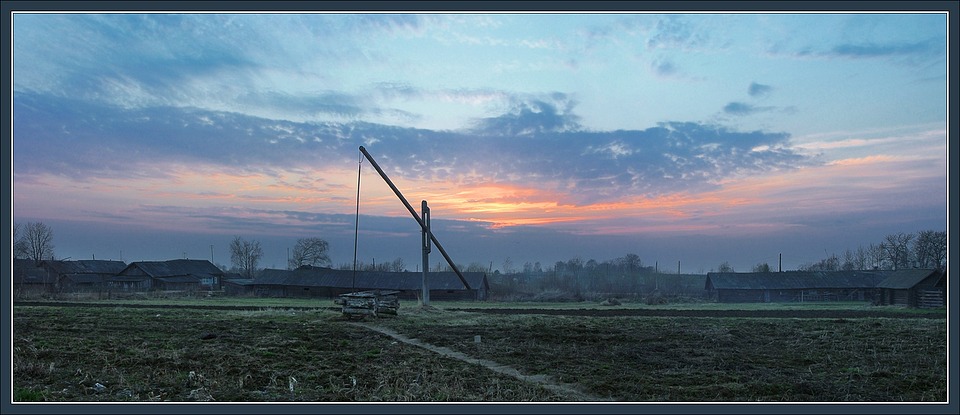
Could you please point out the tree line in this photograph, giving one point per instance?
(924, 249)
(35, 241)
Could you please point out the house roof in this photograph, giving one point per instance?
(86, 266)
(176, 267)
(904, 279)
(327, 277)
(26, 271)
(791, 280)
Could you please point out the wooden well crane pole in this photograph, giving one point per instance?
(423, 226)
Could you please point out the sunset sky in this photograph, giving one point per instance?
(538, 137)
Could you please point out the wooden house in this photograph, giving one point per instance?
(310, 281)
(793, 286)
(31, 278)
(922, 288)
(83, 275)
(173, 275)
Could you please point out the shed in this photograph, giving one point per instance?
(793, 286)
(237, 286)
(175, 275)
(922, 288)
(308, 281)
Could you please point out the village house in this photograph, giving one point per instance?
(174, 275)
(51, 276)
(910, 288)
(30, 278)
(310, 281)
(922, 288)
(793, 286)
(83, 275)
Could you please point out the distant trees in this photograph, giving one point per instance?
(34, 242)
(725, 267)
(397, 265)
(245, 256)
(19, 243)
(310, 251)
(930, 249)
(761, 267)
(897, 250)
(925, 249)
(831, 263)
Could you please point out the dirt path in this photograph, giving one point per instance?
(548, 382)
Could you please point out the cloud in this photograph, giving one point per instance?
(663, 68)
(759, 90)
(531, 117)
(871, 50)
(740, 108)
(674, 32)
(537, 143)
(906, 52)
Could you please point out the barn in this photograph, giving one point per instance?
(320, 282)
(173, 275)
(793, 286)
(922, 288)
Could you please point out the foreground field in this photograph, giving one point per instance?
(147, 352)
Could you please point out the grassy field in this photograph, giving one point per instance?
(274, 351)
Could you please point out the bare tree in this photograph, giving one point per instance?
(725, 267)
(245, 255)
(939, 249)
(930, 248)
(632, 263)
(476, 267)
(507, 266)
(849, 261)
(38, 241)
(830, 263)
(19, 242)
(397, 265)
(310, 251)
(897, 249)
(876, 253)
(861, 258)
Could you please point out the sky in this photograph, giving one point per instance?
(688, 139)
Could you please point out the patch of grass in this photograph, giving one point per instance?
(139, 354)
(27, 395)
(287, 354)
(709, 359)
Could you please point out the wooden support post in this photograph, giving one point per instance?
(425, 214)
